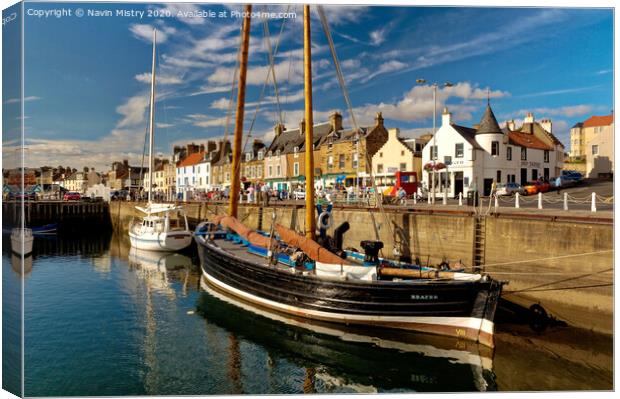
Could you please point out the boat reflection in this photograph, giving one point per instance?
(16, 264)
(356, 359)
(154, 267)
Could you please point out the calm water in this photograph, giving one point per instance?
(104, 320)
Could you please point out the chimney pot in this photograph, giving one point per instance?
(335, 120)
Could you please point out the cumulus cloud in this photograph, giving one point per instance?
(567, 111)
(133, 110)
(377, 37)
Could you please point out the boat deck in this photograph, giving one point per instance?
(242, 252)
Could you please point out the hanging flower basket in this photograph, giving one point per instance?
(440, 166)
(429, 167)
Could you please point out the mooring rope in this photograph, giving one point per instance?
(545, 259)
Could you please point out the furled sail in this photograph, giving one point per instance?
(309, 246)
(253, 237)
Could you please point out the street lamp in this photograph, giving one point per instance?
(434, 85)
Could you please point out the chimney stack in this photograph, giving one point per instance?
(379, 119)
(302, 127)
(278, 129)
(211, 146)
(529, 118)
(446, 117)
(510, 125)
(335, 120)
(547, 125)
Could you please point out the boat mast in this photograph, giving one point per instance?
(152, 121)
(310, 222)
(235, 183)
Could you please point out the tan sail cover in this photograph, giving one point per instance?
(310, 247)
(253, 237)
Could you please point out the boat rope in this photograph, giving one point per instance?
(558, 288)
(539, 287)
(345, 93)
(546, 259)
(270, 71)
(271, 59)
(288, 77)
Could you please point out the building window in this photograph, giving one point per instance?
(341, 161)
(248, 156)
(380, 155)
(380, 168)
(546, 155)
(402, 153)
(355, 158)
(330, 162)
(403, 167)
(261, 155)
(270, 171)
(595, 150)
(499, 176)
(296, 169)
(546, 173)
(458, 150)
(523, 154)
(534, 174)
(494, 148)
(509, 153)
(296, 151)
(433, 152)
(277, 153)
(278, 170)
(447, 160)
(227, 176)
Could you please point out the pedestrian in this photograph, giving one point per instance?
(265, 194)
(402, 194)
(558, 184)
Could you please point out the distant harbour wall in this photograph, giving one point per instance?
(566, 266)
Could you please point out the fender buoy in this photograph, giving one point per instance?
(325, 224)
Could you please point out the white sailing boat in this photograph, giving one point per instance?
(164, 226)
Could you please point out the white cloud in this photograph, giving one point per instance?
(386, 67)
(222, 103)
(184, 12)
(133, 110)
(377, 37)
(567, 111)
(163, 125)
(18, 100)
(161, 79)
(144, 32)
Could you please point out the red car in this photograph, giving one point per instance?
(72, 196)
(536, 187)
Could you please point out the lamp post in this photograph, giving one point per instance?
(433, 152)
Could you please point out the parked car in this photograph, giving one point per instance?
(23, 196)
(509, 188)
(118, 195)
(565, 182)
(536, 187)
(72, 196)
(299, 194)
(573, 175)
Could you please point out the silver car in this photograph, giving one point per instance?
(509, 188)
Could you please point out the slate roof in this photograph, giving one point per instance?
(488, 123)
(468, 134)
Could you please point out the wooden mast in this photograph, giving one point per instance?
(309, 123)
(152, 121)
(235, 183)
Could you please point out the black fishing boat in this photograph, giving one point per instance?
(292, 274)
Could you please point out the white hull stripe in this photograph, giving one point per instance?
(464, 322)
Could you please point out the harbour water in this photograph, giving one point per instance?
(102, 319)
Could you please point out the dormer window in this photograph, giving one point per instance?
(269, 153)
(248, 156)
(296, 151)
(261, 155)
(277, 153)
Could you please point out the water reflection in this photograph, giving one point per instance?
(354, 360)
(154, 267)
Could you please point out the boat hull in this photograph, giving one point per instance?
(452, 308)
(21, 245)
(175, 241)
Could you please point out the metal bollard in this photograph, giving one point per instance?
(539, 200)
(415, 198)
(496, 203)
(461, 198)
(593, 208)
(429, 197)
(565, 201)
(517, 200)
(445, 198)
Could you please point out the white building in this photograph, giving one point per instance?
(187, 174)
(476, 157)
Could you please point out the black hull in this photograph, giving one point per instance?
(462, 309)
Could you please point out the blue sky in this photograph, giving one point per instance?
(87, 79)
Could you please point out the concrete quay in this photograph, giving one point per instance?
(560, 260)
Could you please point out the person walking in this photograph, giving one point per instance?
(558, 184)
(265, 194)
